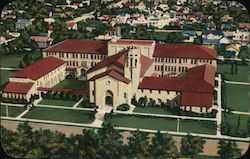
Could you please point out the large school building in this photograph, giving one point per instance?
(118, 70)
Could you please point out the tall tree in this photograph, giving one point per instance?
(228, 149)
(138, 145)
(163, 146)
(191, 146)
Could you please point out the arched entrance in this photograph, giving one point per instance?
(109, 98)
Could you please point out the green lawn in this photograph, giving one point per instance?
(55, 114)
(143, 122)
(237, 97)
(241, 76)
(13, 111)
(11, 61)
(57, 102)
(5, 76)
(193, 126)
(153, 110)
(72, 84)
(232, 119)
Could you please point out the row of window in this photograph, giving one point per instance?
(170, 68)
(75, 55)
(170, 60)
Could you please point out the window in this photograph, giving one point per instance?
(167, 92)
(179, 60)
(125, 95)
(93, 93)
(142, 90)
(150, 91)
(159, 91)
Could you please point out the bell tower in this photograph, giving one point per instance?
(132, 67)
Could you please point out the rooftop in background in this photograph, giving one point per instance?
(39, 69)
(131, 42)
(18, 87)
(184, 51)
(80, 46)
(41, 38)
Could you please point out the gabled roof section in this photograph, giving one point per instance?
(188, 51)
(112, 73)
(39, 69)
(199, 80)
(80, 46)
(18, 87)
(117, 60)
(196, 99)
(145, 64)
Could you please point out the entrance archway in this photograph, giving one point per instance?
(109, 98)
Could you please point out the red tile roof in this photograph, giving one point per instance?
(40, 38)
(80, 46)
(39, 69)
(196, 99)
(145, 64)
(198, 82)
(18, 87)
(132, 42)
(117, 60)
(112, 73)
(184, 51)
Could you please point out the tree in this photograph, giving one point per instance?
(111, 142)
(228, 149)
(191, 146)
(238, 125)
(163, 146)
(138, 145)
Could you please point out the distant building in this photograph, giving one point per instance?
(22, 23)
(212, 37)
(42, 41)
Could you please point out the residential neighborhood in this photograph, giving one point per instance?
(125, 79)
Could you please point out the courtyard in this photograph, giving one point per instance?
(72, 83)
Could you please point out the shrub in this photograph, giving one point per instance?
(123, 107)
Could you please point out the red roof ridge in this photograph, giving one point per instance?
(110, 60)
(39, 68)
(18, 87)
(184, 51)
(112, 73)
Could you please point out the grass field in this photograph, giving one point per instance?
(55, 114)
(237, 97)
(202, 127)
(11, 61)
(153, 110)
(13, 111)
(143, 122)
(72, 84)
(241, 76)
(5, 76)
(232, 119)
(58, 102)
(168, 124)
